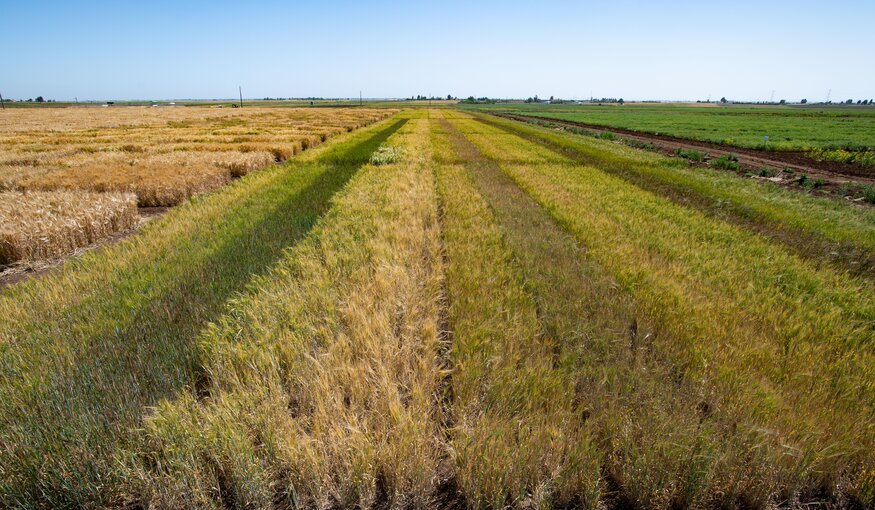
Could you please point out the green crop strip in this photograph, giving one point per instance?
(838, 234)
(85, 351)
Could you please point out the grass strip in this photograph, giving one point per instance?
(659, 447)
(517, 437)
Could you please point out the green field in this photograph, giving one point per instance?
(788, 127)
(449, 309)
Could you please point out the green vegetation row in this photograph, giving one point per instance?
(837, 232)
(779, 351)
(85, 351)
(787, 128)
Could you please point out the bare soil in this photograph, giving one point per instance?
(788, 166)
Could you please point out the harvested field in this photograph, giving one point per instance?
(38, 225)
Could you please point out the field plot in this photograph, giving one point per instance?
(453, 310)
(162, 156)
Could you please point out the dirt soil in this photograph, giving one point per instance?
(832, 174)
(14, 273)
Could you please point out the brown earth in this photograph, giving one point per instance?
(788, 165)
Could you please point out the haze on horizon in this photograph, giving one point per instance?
(681, 50)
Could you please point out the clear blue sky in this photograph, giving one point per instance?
(630, 49)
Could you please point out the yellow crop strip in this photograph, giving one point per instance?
(322, 380)
(510, 402)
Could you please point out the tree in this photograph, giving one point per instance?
(551, 98)
(804, 101)
(723, 100)
(621, 101)
(783, 101)
(849, 101)
(39, 99)
(449, 97)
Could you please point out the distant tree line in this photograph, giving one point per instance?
(861, 102)
(432, 98)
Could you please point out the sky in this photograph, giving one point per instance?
(637, 50)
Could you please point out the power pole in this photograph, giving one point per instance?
(240, 89)
(360, 97)
(2, 102)
(828, 94)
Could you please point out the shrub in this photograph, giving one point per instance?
(809, 183)
(606, 135)
(729, 162)
(692, 155)
(385, 155)
(869, 194)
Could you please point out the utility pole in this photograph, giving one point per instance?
(772, 97)
(2, 102)
(828, 94)
(240, 89)
(360, 97)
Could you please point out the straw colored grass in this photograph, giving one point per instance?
(38, 225)
(154, 185)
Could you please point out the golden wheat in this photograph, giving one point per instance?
(163, 155)
(36, 225)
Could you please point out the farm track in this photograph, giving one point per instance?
(750, 159)
(90, 366)
(843, 256)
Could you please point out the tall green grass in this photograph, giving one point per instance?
(788, 128)
(84, 351)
